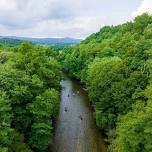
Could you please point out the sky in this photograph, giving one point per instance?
(66, 18)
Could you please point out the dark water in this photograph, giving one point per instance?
(75, 129)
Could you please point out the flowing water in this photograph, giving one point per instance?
(75, 129)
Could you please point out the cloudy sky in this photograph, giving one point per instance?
(66, 18)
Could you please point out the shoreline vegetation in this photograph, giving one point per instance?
(29, 97)
(115, 66)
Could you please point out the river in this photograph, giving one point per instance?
(75, 129)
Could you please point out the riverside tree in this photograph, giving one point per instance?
(30, 84)
(115, 65)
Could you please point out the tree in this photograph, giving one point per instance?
(134, 130)
(5, 122)
(43, 108)
(29, 98)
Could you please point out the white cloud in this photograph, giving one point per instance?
(24, 13)
(60, 18)
(57, 18)
(5, 7)
(146, 6)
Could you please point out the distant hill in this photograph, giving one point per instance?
(43, 41)
(10, 42)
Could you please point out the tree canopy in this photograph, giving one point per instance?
(115, 65)
(29, 97)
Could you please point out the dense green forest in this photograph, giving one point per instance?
(29, 97)
(115, 64)
(10, 42)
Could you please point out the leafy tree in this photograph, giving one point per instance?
(43, 108)
(115, 65)
(134, 130)
(30, 84)
(5, 121)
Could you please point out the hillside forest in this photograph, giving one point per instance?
(29, 97)
(115, 67)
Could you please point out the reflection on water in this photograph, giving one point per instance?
(75, 128)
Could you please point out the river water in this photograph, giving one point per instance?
(75, 129)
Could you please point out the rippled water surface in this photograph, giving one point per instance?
(75, 129)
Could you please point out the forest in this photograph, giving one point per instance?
(9, 42)
(115, 65)
(29, 97)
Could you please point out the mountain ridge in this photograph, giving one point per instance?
(46, 41)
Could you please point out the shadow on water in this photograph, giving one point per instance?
(75, 129)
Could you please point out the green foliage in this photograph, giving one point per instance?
(115, 65)
(43, 108)
(41, 135)
(45, 105)
(18, 144)
(5, 120)
(30, 84)
(134, 131)
(3, 149)
(10, 42)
